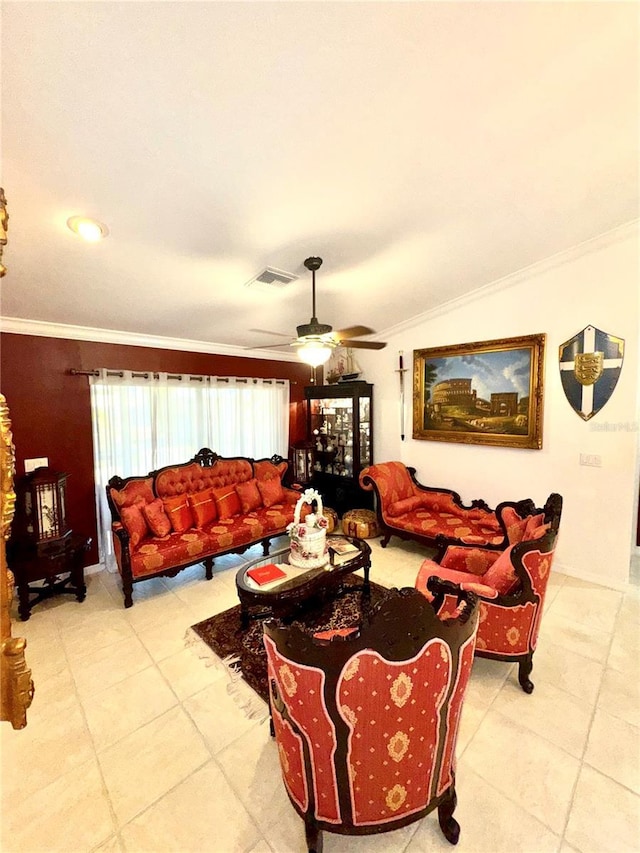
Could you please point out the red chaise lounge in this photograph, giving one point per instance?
(426, 514)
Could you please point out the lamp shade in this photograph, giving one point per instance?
(43, 498)
(315, 353)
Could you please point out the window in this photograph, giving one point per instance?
(142, 421)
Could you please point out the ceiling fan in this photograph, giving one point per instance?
(315, 340)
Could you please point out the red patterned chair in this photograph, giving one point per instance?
(511, 583)
(410, 510)
(366, 724)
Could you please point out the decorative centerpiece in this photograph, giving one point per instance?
(309, 537)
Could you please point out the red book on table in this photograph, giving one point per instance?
(266, 574)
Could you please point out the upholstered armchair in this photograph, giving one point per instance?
(366, 721)
(511, 583)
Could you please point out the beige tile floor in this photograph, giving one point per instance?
(134, 744)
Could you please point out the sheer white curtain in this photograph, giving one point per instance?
(142, 421)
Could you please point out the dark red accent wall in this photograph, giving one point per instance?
(50, 409)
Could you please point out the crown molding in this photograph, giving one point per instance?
(18, 326)
(595, 244)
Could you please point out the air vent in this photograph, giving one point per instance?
(270, 278)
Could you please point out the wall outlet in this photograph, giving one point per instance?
(31, 464)
(591, 459)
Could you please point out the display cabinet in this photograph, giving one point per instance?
(340, 438)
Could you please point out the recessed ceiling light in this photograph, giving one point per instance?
(89, 229)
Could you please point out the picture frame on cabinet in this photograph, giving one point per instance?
(488, 392)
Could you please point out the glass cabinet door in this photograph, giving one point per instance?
(332, 431)
(366, 457)
(340, 435)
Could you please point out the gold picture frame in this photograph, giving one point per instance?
(489, 392)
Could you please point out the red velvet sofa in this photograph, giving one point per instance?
(190, 513)
(426, 514)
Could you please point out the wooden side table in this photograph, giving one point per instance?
(47, 562)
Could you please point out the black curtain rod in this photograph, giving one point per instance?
(120, 373)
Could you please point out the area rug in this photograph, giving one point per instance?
(221, 640)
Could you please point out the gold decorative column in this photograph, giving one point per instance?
(15, 678)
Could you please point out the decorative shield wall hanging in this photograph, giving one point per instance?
(590, 364)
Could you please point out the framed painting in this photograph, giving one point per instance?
(481, 393)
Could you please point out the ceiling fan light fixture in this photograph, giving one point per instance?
(315, 353)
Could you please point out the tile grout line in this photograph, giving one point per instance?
(103, 783)
(586, 740)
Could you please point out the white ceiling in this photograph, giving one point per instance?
(422, 149)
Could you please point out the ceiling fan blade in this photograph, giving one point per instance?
(363, 344)
(353, 332)
(267, 332)
(269, 346)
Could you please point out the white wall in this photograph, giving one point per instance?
(595, 283)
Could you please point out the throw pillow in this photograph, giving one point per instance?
(476, 561)
(514, 524)
(539, 532)
(131, 493)
(440, 502)
(501, 575)
(179, 513)
(157, 518)
(405, 505)
(227, 501)
(264, 469)
(134, 522)
(488, 519)
(533, 523)
(271, 491)
(249, 495)
(203, 507)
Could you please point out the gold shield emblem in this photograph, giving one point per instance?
(588, 367)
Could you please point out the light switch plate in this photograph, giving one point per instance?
(31, 464)
(591, 459)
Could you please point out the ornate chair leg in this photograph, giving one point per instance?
(313, 835)
(524, 671)
(385, 540)
(127, 589)
(448, 824)
(208, 568)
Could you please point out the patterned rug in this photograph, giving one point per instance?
(242, 652)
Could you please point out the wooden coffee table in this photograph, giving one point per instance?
(280, 598)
